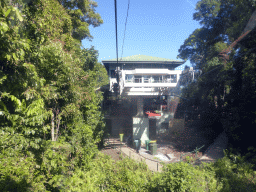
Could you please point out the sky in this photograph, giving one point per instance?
(154, 28)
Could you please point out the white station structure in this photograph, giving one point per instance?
(144, 86)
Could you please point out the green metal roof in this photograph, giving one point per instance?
(142, 58)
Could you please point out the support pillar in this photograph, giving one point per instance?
(178, 78)
(169, 98)
(140, 106)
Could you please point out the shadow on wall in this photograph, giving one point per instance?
(140, 128)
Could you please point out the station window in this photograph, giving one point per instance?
(138, 79)
(147, 78)
(129, 78)
(157, 79)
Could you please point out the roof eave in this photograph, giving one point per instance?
(160, 62)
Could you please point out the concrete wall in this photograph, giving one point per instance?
(163, 121)
(166, 116)
(141, 129)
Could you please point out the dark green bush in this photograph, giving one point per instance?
(184, 177)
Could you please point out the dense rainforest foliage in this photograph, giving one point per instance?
(50, 115)
(225, 92)
(50, 118)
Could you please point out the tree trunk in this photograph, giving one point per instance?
(52, 131)
(57, 128)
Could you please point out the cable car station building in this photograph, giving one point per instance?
(143, 85)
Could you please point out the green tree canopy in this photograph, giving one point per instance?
(227, 85)
(49, 110)
(82, 13)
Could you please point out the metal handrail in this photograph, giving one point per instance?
(150, 81)
(140, 80)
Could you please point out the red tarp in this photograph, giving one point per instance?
(151, 114)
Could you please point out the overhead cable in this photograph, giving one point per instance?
(125, 27)
(117, 68)
(116, 32)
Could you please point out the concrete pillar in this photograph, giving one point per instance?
(140, 106)
(169, 103)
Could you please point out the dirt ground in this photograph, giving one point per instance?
(178, 144)
(111, 151)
